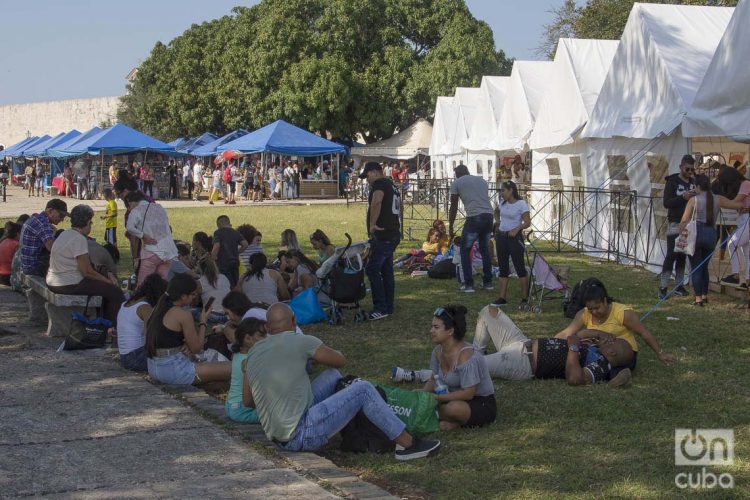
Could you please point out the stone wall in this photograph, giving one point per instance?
(38, 118)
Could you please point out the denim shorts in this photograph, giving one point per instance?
(135, 360)
(176, 369)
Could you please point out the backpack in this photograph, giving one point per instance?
(360, 435)
(228, 174)
(575, 302)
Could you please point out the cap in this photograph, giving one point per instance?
(688, 159)
(369, 167)
(59, 205)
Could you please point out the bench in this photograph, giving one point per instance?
(56, 308)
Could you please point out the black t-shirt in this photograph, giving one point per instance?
(390, 210)
(229, 240)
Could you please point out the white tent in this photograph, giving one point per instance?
(456, 119)
(443, 122)
(412, 141)
(633, 132)
(481, 158)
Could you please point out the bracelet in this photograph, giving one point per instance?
(201, 324)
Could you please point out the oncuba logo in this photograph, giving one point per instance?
(702, 447)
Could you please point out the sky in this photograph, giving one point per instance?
(54, 49)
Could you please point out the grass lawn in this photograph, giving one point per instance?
(550, 440)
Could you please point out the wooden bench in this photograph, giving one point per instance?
(56, 308)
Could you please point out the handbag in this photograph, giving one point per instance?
(86, 333)
(306, 307)
(685, 242)
(416, 409)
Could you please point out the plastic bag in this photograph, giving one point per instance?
(416, 409)
(306, 307)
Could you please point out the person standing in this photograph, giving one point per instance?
(30, 178)
(149, 222)
(512, 217)
(473, 191)
(41, 177)
(110, 218)
(187, 179)
(678, 190)
(227, 246)
(173, 184)
(197, 180)
(384, 229)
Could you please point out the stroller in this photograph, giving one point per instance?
(342, 279)
(546, 282)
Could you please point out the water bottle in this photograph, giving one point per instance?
(440, 386)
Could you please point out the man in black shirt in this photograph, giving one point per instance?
(678, 190)
(384, 229)
(228, 245)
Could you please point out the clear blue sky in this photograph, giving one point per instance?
(64, 49)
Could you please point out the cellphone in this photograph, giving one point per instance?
(207, 306)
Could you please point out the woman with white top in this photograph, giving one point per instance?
(131, 322)
(261, 284)
(214, 285)
(511, 218)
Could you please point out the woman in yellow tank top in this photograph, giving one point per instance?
(618, 320)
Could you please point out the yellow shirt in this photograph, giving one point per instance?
(111, 214)
(614, 324)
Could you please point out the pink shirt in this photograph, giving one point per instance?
(745, 189)
(7, 249)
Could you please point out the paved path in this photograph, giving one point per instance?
(74, 424)
(18, 202)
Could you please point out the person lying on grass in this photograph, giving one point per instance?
(587, 357)
(470, 398)
(613, 320)
(299, 415)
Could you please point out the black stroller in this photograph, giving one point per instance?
(343, 281)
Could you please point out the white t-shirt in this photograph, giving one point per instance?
(186, 171)
(511, 214)
(63, 266)
(217, 176)
(218, 293)
(197, 173)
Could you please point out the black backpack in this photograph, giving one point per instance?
(360, 435)
(575, 302)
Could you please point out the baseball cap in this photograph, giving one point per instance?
(688, 159)
(59, 205)
(369, 167)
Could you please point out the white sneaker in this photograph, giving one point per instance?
(466, 289)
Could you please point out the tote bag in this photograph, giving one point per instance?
(685, 242)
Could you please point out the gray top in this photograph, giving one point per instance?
(473, 372)
(474, 193)
(700, 208)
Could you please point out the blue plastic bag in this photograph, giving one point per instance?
(306, 307)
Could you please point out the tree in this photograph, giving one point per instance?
(563, 26)
(332, 66)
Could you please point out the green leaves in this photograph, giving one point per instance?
(336, 66)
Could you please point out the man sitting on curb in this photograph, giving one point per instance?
(519, 358)
(301, 416)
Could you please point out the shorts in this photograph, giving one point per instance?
(40, 182)
(135, 360)
(217, 185)
(256, 188)
(232, 186)
(176, 369)
(239, 413)
(110, 235)
(483, 411)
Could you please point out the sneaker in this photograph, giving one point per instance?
(488, 286)
(466, 289)
(733, 280)
(662, 293)
(499, 302)
(399, 374)
(742, 286)
(375, 315)
(421, 448)
(622, 379)
(680, 291)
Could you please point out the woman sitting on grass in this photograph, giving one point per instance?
(171, 333)
(262, 284)
(131, 321)
(431, 248)
(301, 269)
(617, 320)
(213, 285)
(248, 332)
(253, 238)
(289, 241)
(202, 245)
(470, 397)
(322, 244)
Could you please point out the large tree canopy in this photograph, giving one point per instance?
(337, 66)
(599, 19)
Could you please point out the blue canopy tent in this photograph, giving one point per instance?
(10, 150)
(211, 148)
(200, 141)
(43, 149)
(39, 147)
(283, 138)
(180, 141)
(21, 150)
(58, 151)
(119, 139)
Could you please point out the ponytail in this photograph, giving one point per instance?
(258, 263)
(181, 285)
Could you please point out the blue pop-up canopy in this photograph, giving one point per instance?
(200, 141)
(180, 141)
(43, 149)
(211, 148)
(283, 138)
(119, 139)
(10, 150)
(21, 151)
(38, 148)
(58, 151)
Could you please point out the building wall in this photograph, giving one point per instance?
(38, 118)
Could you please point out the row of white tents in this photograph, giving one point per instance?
(610, 114)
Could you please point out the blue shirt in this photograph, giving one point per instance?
(36, 232)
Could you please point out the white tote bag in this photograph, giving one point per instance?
(685, 242)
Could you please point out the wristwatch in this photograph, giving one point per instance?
(574, 348)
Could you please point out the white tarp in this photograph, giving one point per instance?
(494, 91)
(664, 52)
(722, 103)
(443, 120)
(528, 80)
(468, 101)
(408, 143)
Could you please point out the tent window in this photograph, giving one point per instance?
(442, 170)
(479, 167)
(454, 164)
(555, 179)
(618, 173)
(489, 166)
(575, 166)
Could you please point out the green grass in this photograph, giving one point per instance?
(550, 440)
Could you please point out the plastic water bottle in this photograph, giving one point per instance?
(440, 386)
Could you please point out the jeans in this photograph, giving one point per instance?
(331, 411)
(705, 242)
(176, 369)
(135, 360)
(380, 271)
(112, 296)
(477, 227)
(673, 259)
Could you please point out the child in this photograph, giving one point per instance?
(248, 333)
(110, 218)
(228, 245)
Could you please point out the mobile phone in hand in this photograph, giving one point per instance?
(207, 305)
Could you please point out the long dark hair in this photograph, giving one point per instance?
(208, 268)
(514, 189)
(597, 292)
(320, 236)
(258, 262)
(704, 183)
(204, 239)
(181, 284)
(152, 288)
(248, 326)
(454, 316)
(302, 259)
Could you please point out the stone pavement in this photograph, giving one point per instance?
(18, 202)
(74, 424)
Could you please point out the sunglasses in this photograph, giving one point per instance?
(440, 311)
